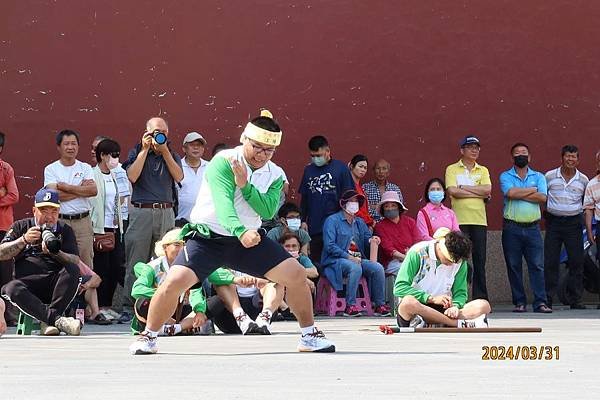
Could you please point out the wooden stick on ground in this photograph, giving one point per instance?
(388, 330)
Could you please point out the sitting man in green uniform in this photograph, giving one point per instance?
(432, 285)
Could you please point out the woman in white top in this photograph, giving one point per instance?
(106, 218)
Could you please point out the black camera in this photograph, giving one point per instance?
(159, 137)
(50, 240)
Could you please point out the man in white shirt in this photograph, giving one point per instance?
(193, 170)
(564, 226)
(74, 181)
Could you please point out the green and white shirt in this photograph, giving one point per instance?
(228, 210)
(422, 275)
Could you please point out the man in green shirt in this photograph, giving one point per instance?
(432, 285)
(240, 187)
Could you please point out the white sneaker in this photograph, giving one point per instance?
(68, 325)
(111, 316)
(479, 322)
(246, 325)
(48, 330)
(417, 322)
(263, 322)
(144, 345)
(315, 342)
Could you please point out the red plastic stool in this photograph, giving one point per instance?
(327, 300)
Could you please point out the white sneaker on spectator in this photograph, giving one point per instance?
(48, 330)
(315, 342)
(144, 345)
(263, 322)
(479, 322)
(68, 325)
(246, 325)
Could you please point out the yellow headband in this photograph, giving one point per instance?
(262, 135)
(444, 250)
(440, 235)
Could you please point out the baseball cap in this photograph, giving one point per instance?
(469, 139)
(351, 194)
(193, 136)
(47, 198)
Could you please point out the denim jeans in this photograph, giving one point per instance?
(519, 242)
(373, 272)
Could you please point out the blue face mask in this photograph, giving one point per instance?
(436, 196)
(293, 223)
(319, 161)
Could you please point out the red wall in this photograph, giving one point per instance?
(403, 80)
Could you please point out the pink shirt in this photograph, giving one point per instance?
(440, 216)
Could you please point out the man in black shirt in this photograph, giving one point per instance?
(153, 169)
(45, 272)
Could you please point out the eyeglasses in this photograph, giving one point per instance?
(115, 154)
(259, 149)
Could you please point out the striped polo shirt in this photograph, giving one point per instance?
(565, 199)
(591, 201)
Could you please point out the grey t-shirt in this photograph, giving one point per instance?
(155, 184)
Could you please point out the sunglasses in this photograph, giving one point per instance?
(115, 155)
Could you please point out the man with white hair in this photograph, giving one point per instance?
(153, 169)
(240, 187)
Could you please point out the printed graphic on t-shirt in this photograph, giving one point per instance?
(321, 184)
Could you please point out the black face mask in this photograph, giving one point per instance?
(521, 161)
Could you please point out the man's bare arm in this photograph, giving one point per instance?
(9, 250)
(66, 258)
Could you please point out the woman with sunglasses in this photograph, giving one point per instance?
(107, 219)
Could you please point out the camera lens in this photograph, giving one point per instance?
(159, 137)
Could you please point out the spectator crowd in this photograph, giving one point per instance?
(122, 219)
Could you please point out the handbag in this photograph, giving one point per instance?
(104, 242)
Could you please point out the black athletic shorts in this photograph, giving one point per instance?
(402, 323)
(204, 255)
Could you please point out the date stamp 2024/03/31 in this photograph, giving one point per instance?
(528, 352)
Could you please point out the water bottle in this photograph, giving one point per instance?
(80, 315)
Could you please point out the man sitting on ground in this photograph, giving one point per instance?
(46, 266)
(432, 285)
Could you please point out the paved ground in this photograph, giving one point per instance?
(367, 365)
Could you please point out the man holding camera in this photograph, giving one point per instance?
(46, 266)
(153, 169)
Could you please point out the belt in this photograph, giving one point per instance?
(153, 205)
(74, 216)
(522, 224)
(563, 217)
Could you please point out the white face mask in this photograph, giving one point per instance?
(352, 207)
(294, 253)
(293, 223)
(112, 163)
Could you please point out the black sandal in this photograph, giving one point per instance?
(100, 319)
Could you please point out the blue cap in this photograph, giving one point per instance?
(47, 198)
(469, 139)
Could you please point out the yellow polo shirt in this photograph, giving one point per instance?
(469, 211)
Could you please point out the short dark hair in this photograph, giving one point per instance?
(66, 132)
(106, 146)
(518, 144)
(358, 158)
(458, 245)
(569, 148)
(429, 183)
(218, 147)
(287, 208)
(2, 139)
(317, 142)
(266, 123)
(289, 235)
